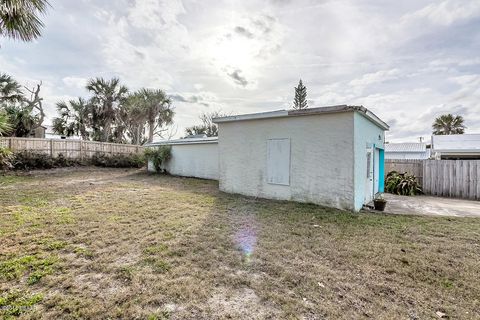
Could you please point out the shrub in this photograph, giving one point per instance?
(118, 161)
(27, 160)
(159, 155)
(6, 158)
(402, 184)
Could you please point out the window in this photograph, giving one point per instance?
(278, 161)
(369, 164)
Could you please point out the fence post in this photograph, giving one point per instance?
(80, 148)
(51, 148)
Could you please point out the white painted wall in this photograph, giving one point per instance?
(198, 160)
(321, 159)
(367, 135)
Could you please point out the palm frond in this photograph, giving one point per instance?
(20, 19)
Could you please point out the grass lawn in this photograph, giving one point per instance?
(115, 243)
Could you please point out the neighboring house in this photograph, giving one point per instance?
(331, 156)
(410, 150)
(456, 147)
(38, 132)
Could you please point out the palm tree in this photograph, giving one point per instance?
(10, 89)
(157, 109)
(19, 19)
(5, 125)
(74, 118)
(448, 124)
(134, 117)
(108, 95)
(21, 120)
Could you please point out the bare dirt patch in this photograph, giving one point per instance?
(95, 243)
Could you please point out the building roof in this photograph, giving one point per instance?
(305, 112)
(183, 141)
(406, 147)
(456, 143)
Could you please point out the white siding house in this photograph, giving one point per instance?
(457, 146)
(402, 151)
(330, 156)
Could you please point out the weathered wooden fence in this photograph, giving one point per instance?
(452, 178)
(405, 165)
(445, 178)
(72, 149)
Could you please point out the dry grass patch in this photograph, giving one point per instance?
(115, 243)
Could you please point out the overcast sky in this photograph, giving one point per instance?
(407, 61)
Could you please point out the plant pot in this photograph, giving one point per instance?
(379, 204)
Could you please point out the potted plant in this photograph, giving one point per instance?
(379, 203)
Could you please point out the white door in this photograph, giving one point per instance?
(369, 177)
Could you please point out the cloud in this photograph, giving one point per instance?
(239, 53)
(203, 98)
(235, 75)
(376, 77)
(448, 12)
(76, 82)
(244, 32)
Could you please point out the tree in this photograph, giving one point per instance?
(158, 110)
(300, 101)
(448, 124)
(5, 125)
(10, 89)
(21, 120)
(25, 113)
(108, 95)
(146, 108)
(19, 19)
(114, 115)
(34, 106)
(74, 118)
(208, 127)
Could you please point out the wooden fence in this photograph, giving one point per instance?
(72, 149)
(405, 165)
(452, 178)
(444, 178)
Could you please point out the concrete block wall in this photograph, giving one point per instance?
(321, 164)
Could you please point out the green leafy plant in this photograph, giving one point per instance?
(159, 156)
(5, 125)
(402, 184)
(6, 158)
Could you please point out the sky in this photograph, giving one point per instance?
(407, 61)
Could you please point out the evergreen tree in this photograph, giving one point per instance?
(300, 101)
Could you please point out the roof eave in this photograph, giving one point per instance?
(304, 112)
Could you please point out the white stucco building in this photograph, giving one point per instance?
(331, 156)
(196, 157)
